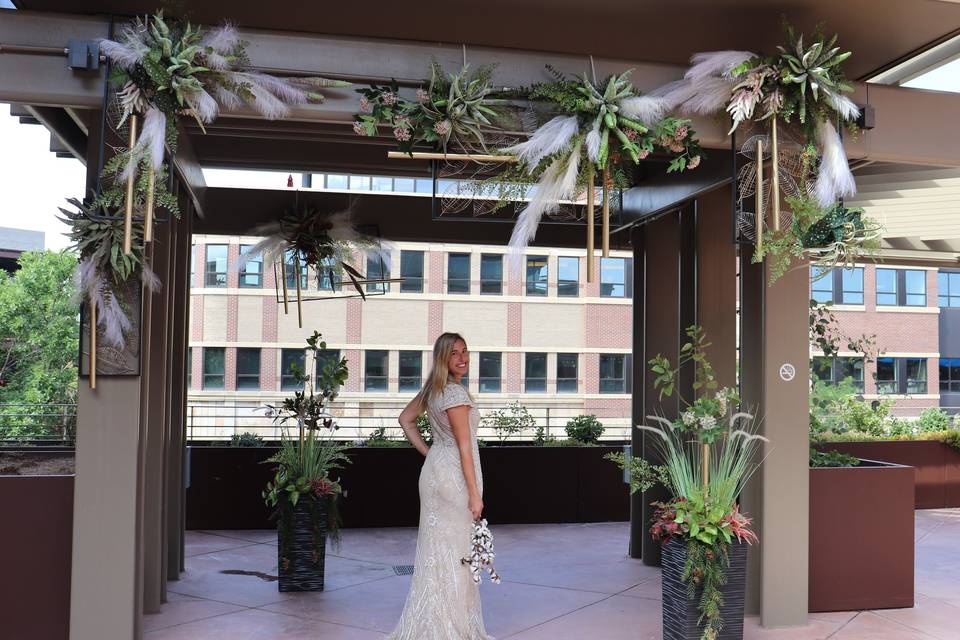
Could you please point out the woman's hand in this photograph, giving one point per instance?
(475, 504)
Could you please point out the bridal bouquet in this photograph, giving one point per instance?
(481, 552)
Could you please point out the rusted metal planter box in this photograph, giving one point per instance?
(36, 538)
(861, 537)
(937, 464)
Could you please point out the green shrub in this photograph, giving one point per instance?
(832, 459)
(900, 427)
(512, 420)
(246, 439)
(933, 419)
(585, 429)
(378, 438)
(423, 426)
(566, 442)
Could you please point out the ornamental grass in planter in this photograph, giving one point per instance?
(303, 491)
(707, 456)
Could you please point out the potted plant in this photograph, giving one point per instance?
(303, 491)
(708, 456)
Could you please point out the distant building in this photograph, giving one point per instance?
(13, 242)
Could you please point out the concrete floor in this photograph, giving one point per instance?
(560, 582)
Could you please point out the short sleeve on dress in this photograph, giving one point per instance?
(453, 395)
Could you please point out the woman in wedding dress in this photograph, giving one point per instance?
(444, 602)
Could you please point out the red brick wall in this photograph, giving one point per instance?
(435, 283)
(609, 326)
(230, 369)
(514, 324)
(269, 366)
(232, 317)
(196, 327)
(514, 376)
(353, 364)
(269, 327)
(354, 320)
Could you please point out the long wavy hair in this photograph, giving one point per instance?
(440, 371)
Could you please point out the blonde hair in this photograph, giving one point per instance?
(440, 371)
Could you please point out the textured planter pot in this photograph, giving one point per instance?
(301, 553)
(680, 613)
(861, 537)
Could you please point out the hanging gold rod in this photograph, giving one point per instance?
(430, 155)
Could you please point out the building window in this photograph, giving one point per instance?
(491, 274)
(886, 287)
(887, 376)
(329, 278)
(213, 367)
(535, 373)
(567, 373)
(290, 264)
(378, 268)
(949, 375)
(613, 374)
(324, 359)
(248, 369)
(836, 370)
(851, 282)
(916, 375)
(821, 284)
(411, 270)
(251, 269)
(568, 277)
(411, 370)
(291, 364)
(458, 273)
(613, 278)
(537, 275)
(375, 371)
(948, 289)
(382, 184)
(189, 367)
(403, 185)
(915, 282)
(489, 372)
(337, 181)
(216, 271)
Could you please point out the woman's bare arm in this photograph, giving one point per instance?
(408, 420)
(460, 421)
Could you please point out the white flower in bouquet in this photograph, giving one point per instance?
(689, 418)
(707, 422)
(481, 553)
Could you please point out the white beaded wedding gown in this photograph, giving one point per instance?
(444, 602)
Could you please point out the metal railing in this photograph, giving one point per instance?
(38, 422)
(357, 420)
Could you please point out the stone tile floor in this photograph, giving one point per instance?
(560, 582)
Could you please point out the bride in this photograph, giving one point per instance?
(444, 602)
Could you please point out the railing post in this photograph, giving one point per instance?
(546, 429)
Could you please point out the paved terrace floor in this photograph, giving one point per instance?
(560, 582)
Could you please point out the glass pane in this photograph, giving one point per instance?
(568, 276)
(566, 373)
(458, 273)
(887, 375)
(916, 375)
(382, 184)
(360, 183)
(537, 276)
(213, 367)
(611, 374)
(329, 278)
(410, 370)
(325, 358)
(822, 368)
(378, 268)
(943, 287)
(821, 284)
(954, 280)
(916, 286)
(216, 269)
(946, 371)
(850, 368)
(823, 297)
(403, 185)
(251, 270)
(288, 359)
(411, 270)
(943, 301)
(490, 372)
(612, 278)
(248, 362)
(335, 181)
(535, 385)
(536, 365)
(886, 287)
(375, 378)
(491, 274)
(291, 267)
(852, 283)
(424, 186)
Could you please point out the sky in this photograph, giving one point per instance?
(34, 182)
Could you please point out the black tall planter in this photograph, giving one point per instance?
(680, 613)
(301, 551)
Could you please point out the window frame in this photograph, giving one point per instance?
(323, 356)
(413, 383)
(623, 284)
(895, 294)
(827, 277)
(623, 387)
(924, 379)
(567, 288)
(841, 284)
(564, 382)
(483, 380)
(462, 284)
(411, 283)
(539, 383)
(245, 269)
(952, 382)
(223, 369)
(906, 288)
(288, 257)
(487, 283)
(532, 285)
(379, 272)
(215, 273)
(248, 376)
(287, 380)
(368, 379)
(883, 386)
(945, 293)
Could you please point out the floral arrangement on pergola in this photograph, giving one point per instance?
(802, 88)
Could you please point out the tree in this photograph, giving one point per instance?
(39, 332)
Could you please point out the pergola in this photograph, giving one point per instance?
(128, 522)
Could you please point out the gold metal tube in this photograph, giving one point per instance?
(774, 174)
(605, 237)
(758, 216)
(591, 215)
(296, 270)
(428, 155)
(148, 207)
(131, 180)
(283, 280)
(705, 468)
(93, 344)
